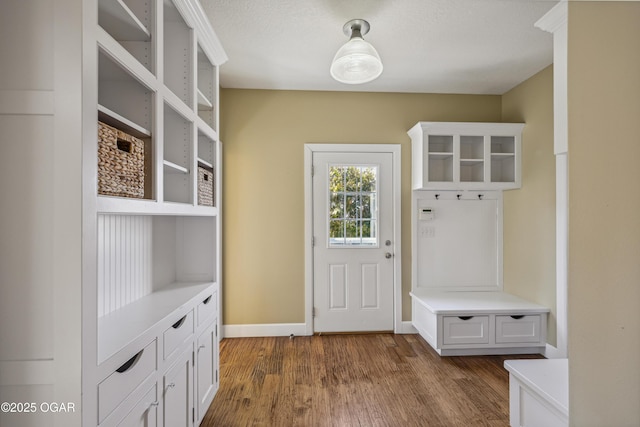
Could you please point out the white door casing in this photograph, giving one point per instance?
(353, 265)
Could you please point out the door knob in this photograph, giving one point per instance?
(388, 255)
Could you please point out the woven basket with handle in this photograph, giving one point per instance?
(120, 163)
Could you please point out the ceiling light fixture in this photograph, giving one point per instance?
(356, 61)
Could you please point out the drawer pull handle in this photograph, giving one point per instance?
(465, 317)
(518, 317)
(206, 301)
(152, 404)
(129, 363)
(201, 347)
(171, 385)
(179, 322)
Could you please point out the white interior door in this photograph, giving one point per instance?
(353, 226)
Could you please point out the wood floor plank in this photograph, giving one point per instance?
(356, 380)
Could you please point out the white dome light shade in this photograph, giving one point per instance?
(357, 61)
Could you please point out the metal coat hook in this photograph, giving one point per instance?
(480, 196)
(437, 196)
(458, 196)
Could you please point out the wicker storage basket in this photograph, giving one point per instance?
(120, 163)
(205, 186)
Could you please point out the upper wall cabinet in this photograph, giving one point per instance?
(466, 156)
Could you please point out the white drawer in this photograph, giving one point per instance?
(177, 334)
(207, 308)
(465, 330)
(145, 413)
(518, 329)
(117, 386)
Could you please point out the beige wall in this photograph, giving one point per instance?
(264, 133)
(530, 212)
(604, 213)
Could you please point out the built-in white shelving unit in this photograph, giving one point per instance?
(118, 313)
(158, 258)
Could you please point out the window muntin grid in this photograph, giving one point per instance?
(353, 206)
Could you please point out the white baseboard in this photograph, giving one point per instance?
(264, 330)
(406, 327)
(286, 329)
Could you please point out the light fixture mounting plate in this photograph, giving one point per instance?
(356, 24)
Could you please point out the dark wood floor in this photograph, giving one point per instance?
(356, 380)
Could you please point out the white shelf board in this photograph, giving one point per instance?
(205, 129)
(204, 103)
(121, 205)
(469, 162)
(117, 19)
(177, 104)
(205, 163)
(502, 155)
(440, 156)
(114, 119)
(119, 328)
(170, 167)
(124, 64)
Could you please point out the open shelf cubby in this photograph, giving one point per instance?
(502, 158)
(130, 24)
(207, 83)
(440, 144)
(471, 170)
(471, 147)
(177, 164)
(123, 97)
(178, 56)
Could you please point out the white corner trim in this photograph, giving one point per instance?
(264, 330)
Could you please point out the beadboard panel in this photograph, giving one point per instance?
(124, 260)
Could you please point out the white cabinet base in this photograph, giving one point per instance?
(458, 323)
(538, 392)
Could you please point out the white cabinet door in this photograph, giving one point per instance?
(177, 393)
(207, 368)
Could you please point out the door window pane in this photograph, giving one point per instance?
(353, 208)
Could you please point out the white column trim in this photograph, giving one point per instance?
(555, 21)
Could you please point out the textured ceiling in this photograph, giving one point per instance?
(426, 46)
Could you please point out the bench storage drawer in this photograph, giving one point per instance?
(517, 329)
(465, 330)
